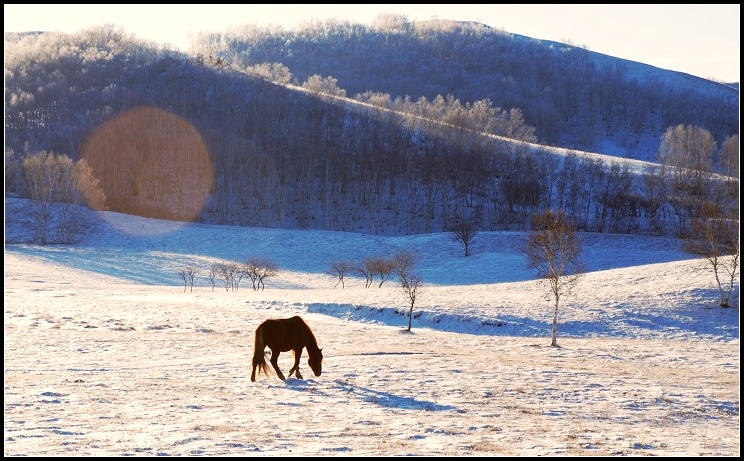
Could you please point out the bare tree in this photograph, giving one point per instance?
(77, 186)
(214, 270)
(259, 269)
(324, 86)
(227, 271)
(89, 186)
(184, 277)
(340, 269)
(404, 262)
(367, 269)
(714, 237)
(686, 154)
(187, 274)
(728, 159)
(41, 187)
(463, 231)
(266, 269)
(54, 179)
(689, 148)
(382, 267)
(13, 171)
(234, 274)
(275, 72)
(70, 200)
(411, 287)
(728, 156)
(251, 269)
(554, 249)
(238, 275)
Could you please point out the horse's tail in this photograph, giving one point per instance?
(259, 358)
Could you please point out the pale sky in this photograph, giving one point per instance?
(701, 40)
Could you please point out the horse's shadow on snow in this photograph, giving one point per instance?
(383, 399)
(388, 400)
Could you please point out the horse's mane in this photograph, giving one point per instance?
(311, 341)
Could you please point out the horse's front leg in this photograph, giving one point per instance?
(275, 363)
(296, 368)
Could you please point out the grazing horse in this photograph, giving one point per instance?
(283, 335)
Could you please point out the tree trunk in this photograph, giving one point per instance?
(554, 342)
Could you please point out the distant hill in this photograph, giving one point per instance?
(394, 129)
(575, 98)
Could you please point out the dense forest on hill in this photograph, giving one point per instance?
(574, 98)
(233, 134)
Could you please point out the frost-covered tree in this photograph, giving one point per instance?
(715, 237)
(554, 249)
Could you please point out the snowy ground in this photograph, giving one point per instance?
(107, 355)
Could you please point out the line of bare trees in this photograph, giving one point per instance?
(401, 263)
(256, 269)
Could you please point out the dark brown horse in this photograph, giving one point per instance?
(283, 335)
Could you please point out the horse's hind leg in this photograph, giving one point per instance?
(275, 363)
(296, 367)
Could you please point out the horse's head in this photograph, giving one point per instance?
(316, 361)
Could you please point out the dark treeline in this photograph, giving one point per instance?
(573, 97)
(279, 157)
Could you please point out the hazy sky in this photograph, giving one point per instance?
(702, 40)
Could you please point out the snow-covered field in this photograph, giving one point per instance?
(106, 354)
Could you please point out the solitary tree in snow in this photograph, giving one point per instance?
(714, 237)
(411, 286)
(463, 231)
(553, 248)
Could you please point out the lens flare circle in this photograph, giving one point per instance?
(150, 163)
